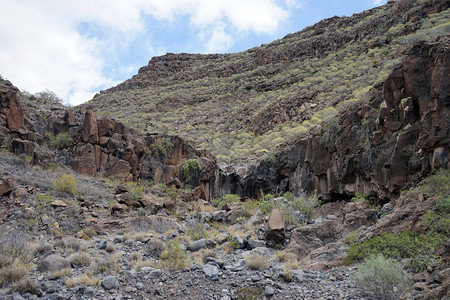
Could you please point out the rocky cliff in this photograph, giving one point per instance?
(378, 148)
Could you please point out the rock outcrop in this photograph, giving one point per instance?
(376, 148)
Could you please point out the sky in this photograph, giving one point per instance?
(76, 48)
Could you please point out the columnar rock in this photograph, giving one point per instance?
(89, 131)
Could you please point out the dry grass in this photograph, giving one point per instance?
(155, 246)
(138, 264)
(256, 262)
(43, 248)
(284, 256)
(201, 256)
(12, 272)
(137, 236)
(110, 247)
(108, 265)
(87, 278)
(58, 274)
(184, 239)
(135, 255)
(26, 286)
(81, 259)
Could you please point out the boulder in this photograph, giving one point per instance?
(53, 263)
(252, 244)
(211, 271)
(120, 170)
(357, 214)
(201, 244)
(275, 230)
(7, 186)
(308, 238)
(152, 203)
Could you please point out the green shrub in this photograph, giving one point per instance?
(382, 277)
(173, 257)
(66, 184)
(288, 196)
(135, 190)
(163, 190)
(161, 149)
(407, 244)
(190, 170)
(358, 198)
(266, 206)
(228, 198)
(61, 141)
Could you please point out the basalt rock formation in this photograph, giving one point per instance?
(101, 146)
(399, 135)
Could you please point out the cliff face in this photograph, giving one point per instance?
(400, 134)
(244, 105)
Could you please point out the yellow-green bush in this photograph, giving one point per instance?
(66, 184)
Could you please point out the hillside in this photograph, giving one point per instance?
(248, 104)
(332, 179)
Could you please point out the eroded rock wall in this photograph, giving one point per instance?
(376, 148)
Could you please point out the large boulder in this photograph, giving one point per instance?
(275, 230)
(308, 238)
(53, 263)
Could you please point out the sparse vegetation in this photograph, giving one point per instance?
(66, 184)
(383, 277)
(173, 257)
(228, 198)
(190, 170)
(61, 141)
(80, 259)
(256, 262)
(161, 149)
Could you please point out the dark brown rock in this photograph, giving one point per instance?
(308, 238)
(21, 146)
(119, 170)
(89, 131)
(10, 106)
(152, 203)
(357, 214)
(275, 230)
(69, 118)
(7, 186)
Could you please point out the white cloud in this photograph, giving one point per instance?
(42, 48)
(379, 2)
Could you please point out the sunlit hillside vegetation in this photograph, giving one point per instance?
(245, 105)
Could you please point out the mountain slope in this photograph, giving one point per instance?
(243, 105)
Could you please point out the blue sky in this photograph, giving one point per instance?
(78, 47)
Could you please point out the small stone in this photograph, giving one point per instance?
(269, 291)
(224, 293)
(139, 285)
(101, 245)
(252, 244)
(109, 282)
(211, 272)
